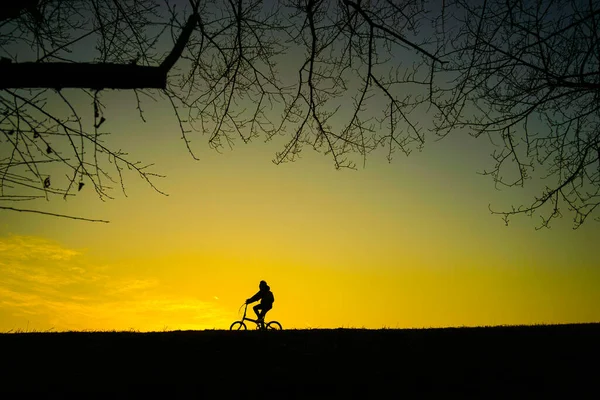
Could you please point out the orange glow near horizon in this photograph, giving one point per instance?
(49, 286)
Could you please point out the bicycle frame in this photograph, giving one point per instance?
(261, 324)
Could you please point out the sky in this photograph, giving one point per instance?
(404, 244)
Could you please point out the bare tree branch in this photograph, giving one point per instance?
(341, 77)
(81, 76)
(53, 214)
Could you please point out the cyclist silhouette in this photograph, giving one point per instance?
(266, 300)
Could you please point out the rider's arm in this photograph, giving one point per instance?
(254, 298)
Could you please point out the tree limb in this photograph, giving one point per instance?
(11, 9)
(81, 75)
(52, 214)
(96, 76)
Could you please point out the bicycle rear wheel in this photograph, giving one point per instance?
(238, 326)
(274, 325)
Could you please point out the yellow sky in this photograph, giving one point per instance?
(406, 244)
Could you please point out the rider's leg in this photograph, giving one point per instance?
(257, 310)
(265, 310)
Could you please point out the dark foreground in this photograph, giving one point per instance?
(508, 362)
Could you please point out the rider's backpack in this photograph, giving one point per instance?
(270, 297)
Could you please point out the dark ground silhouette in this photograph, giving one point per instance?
(507, 362)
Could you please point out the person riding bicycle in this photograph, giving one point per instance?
(266, 300)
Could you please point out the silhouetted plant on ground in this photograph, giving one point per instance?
(365, 75)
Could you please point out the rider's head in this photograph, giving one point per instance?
(262, 285)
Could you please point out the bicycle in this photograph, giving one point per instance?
(260, 325)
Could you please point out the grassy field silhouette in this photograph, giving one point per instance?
(515, 361)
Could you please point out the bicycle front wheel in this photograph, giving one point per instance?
(274, 325)
(238, 326)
